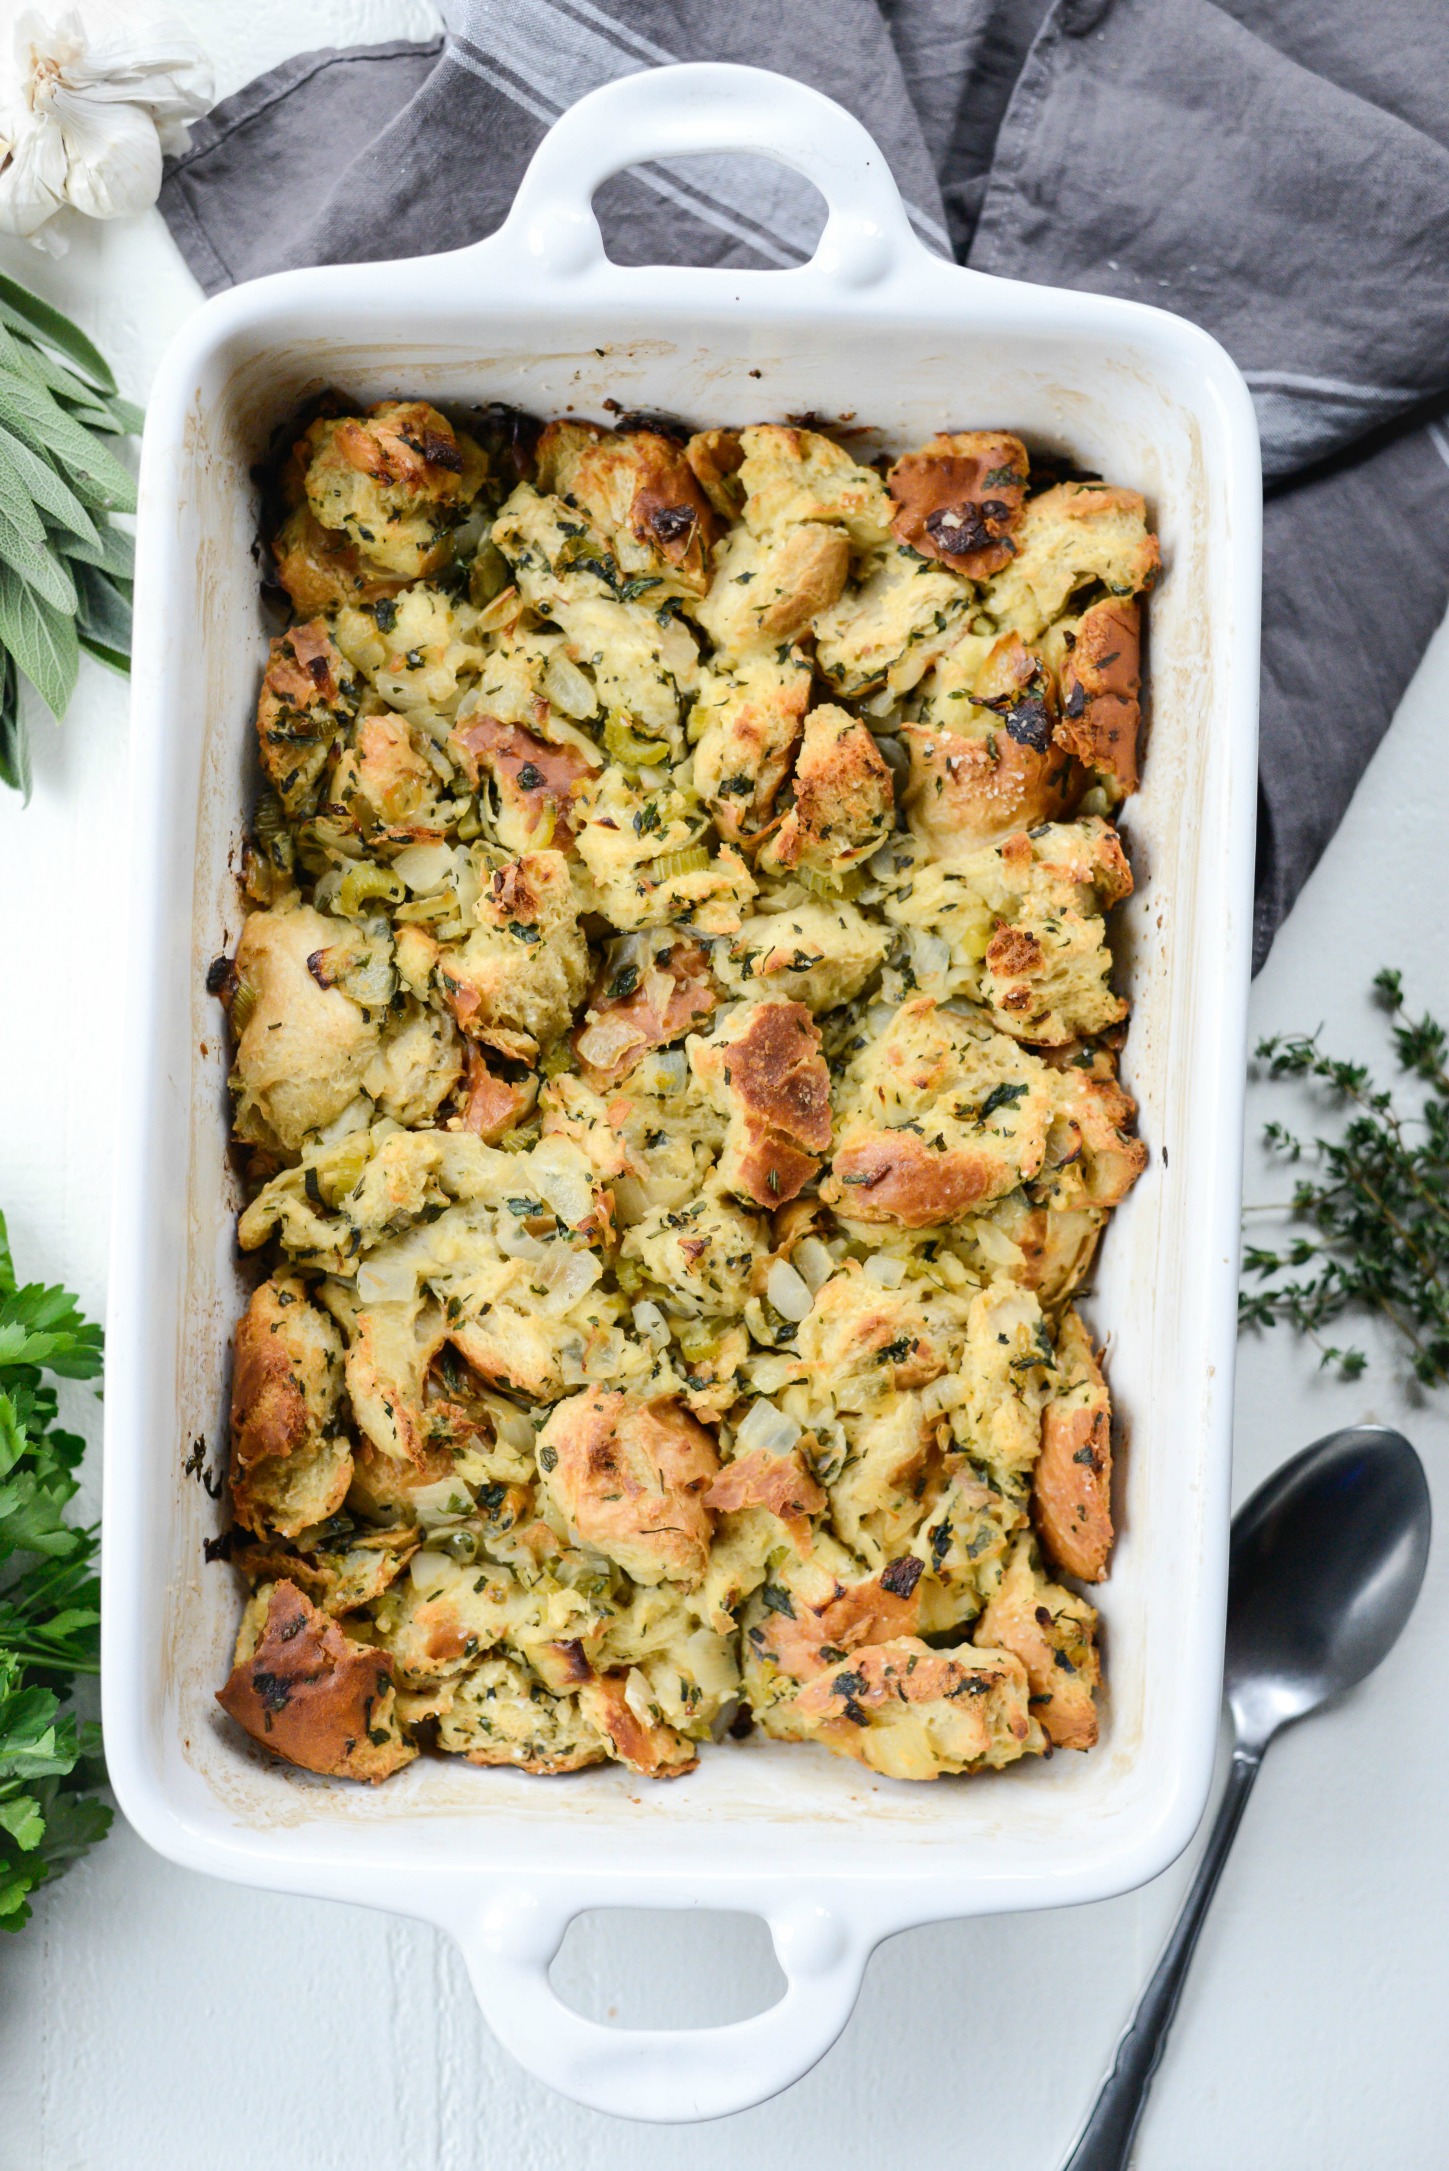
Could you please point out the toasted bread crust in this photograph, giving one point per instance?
(844, 1619)
(897, 1178)
(911, 1712)
(1071, 1494)
(779, 1483)
(844, 797)
(289, 1468)
(777, 1072)
(655, 1751)
(492, 1105)
(635, 484)
(959, 499)
(675, 992)
(309, 694)
(1101, 681)
(768, 1072)
(1052, 1633)
(534, 775)
(714, 458)
(633, 1478)
(310, 1694)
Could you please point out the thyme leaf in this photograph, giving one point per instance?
(1375, 1206)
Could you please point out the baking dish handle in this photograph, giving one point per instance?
(700, 108)
(662, 2075)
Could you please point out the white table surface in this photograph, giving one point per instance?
(151, 2019)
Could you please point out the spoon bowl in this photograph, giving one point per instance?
(1324, 1568)
(1326, 1562)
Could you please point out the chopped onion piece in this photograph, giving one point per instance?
(638, 1695)
(385, 1279)
(994, 1244)
(669, 1071)
(767, 1375)
(468, 888)
(611, 1036)
(567, 688)
(725, 1718)
(656, 989)
(501, 612)
(358, 1115)
(929, 954)
(789, 1292)
(651, 1323)
(514, 1241)
(429, 1569)
(562, 1175)
(630, 1201)
(813, 1263)
(424, 867)
(442, 1502)
(511, 1426)
(677, 651)
(766, 1427)
(885, 1272)
(566, 1277)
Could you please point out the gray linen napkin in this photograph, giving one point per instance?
(1277, 170)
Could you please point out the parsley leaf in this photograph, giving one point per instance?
(49, 1597)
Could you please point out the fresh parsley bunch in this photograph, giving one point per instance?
(49, 1597)
(1379, 1207)
(65, 568)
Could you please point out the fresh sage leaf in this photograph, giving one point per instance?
(128, 419)
(112, 549)
(17, 502)
(28, 360)
(104, 614)
(50, 491)
(65, 585)
(14, 740)
(115, 659)
(37, 316)
(42, 640)
(36, 563)
(96, 475)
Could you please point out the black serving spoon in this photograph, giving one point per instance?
(1326, 1563)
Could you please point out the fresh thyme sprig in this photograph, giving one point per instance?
(1379, 1205)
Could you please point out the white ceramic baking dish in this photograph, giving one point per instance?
(832, 1857)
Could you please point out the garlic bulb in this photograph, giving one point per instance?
(88, 104)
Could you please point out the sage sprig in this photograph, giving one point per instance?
(1378, 1206)
(65, 567)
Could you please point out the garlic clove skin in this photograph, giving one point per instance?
(32, 177)
(113, 156)
(91, 105)
(160, 68)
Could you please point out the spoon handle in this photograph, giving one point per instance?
(1106, 2139)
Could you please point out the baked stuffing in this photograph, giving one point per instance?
(675, 1080)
